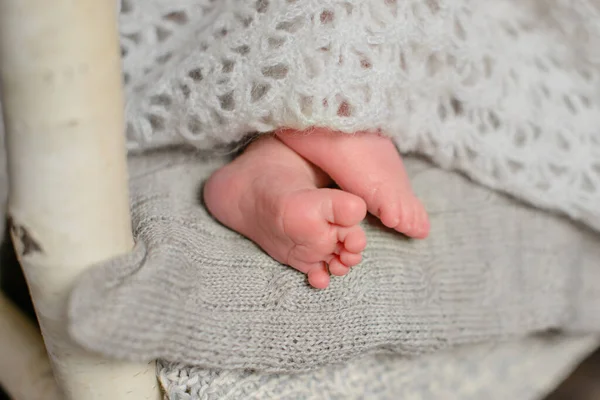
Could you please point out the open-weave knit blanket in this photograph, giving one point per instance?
(506, 91)
(527, 369)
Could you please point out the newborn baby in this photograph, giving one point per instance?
(278, 194)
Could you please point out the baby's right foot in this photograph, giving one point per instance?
(277, 199)
(369, 166)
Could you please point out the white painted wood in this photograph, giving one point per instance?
(62, 97)
(25, 372)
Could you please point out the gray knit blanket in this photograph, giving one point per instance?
(195, 292)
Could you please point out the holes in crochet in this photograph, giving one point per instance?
(542, 186)
(586, 75)
(242, 50)
(514, 166)
(520, 138)
(134, 37)
(162, 34)
(275, 42)
(557, 170)
(488, 66)
(459, 30)
(161, 100)
(345, 109)
(348, 7)
(130, 131)
(126, 6)
(178, 17)
(306, 105)
(164, 58)
(457, 106)
(326, 17)
(537, 131)
(471, 154)
(393, 7)
(587, 185)
(185, 91)
(218, 117)
(442, 112)
(262, 6)
(258, 91)
(433, 5)
(493, 120)
(403, 63)
(156, 122)
(228, 66)
(562, 142)
(291, 26)
(221, 32)
(278, 71)
(227, 101)
(268, 120)
(433, 65)
(570, 105)
(453, 106)
(245, 20)
(545, 91)
(510, 30)
(196, 75)
(194, 125)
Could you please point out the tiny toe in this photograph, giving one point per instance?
(390, 216)
(407, 220)
(344, 209)
(354, 240)
(318, 277)
(421, 228)
(337, 268)
(350, 259)
(414, 220)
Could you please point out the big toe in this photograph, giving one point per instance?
(413, 219)
(343, 208)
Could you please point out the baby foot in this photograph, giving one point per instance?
(275, 198)
(369, 166)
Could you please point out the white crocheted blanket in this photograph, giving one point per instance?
(506, 91)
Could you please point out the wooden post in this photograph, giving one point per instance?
(60, 73)
(25, 372)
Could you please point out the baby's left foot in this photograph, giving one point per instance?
(369, 166)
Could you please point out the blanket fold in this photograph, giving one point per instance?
(195, 292)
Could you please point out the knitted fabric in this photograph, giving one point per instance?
(506, 91)
(526, 369)
(195, 292)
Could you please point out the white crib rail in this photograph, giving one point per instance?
(62, 97)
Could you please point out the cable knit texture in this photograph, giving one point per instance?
(196, 292)
(507, 91)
